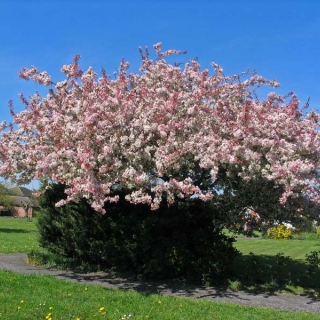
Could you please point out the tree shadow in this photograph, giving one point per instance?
(255, 274)
(275, 273)
(8, 230)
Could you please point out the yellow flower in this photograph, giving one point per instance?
(86, 289)
(22, 301)
(19, 307)
(78, 319)
(101, 309)
(159, 302)
(50, 308)
(69, 294)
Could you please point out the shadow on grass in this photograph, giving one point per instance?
(253, 274)
(275, 273)
(7, 230)
(182, 289)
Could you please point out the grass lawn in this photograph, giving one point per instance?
(296, 249)
(40, 297)
(17, 235)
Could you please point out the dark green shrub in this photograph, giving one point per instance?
(305, 225)
(179, 241)
(313, 259)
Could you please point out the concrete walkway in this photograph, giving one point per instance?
(17, 263)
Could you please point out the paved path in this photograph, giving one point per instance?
(17, 263)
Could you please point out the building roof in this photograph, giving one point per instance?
(21, 191)
(21, 196)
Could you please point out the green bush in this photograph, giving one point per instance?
(280, 232)
(305, 225)
(179, 241)
(313, 260)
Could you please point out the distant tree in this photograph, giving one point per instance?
(163, 134)
(5, 197)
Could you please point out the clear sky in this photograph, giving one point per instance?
(278, 38)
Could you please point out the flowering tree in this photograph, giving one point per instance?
(161, 134)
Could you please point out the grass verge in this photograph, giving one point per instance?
(17, 235)
(40, 297)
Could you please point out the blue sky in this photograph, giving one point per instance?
(280, 39)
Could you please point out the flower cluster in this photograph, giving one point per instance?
(155, 133)
(280, 232)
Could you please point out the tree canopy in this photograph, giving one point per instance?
(165, 132)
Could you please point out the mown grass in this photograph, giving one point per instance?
(40, 297)
(262, 270)
(17, 235)
(296, 249)
(277, 266)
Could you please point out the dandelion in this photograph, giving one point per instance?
(101, 309)
(86, 289)
(159, 302)
(69, 294)
(50, 308)
(78, 319)
(19, 307)
(22, 301)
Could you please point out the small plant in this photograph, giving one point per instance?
(235, 285)
(280, 232)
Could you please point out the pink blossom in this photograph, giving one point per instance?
(155, 131)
